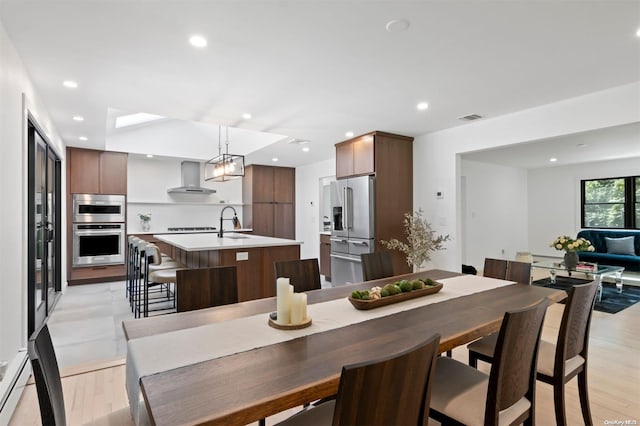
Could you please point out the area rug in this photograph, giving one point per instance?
(612, 301)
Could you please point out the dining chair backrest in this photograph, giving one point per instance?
(47, 377)
(386, 391)
(573, 337)
(513, 372)
(304, 274)
(495, 268)
(152, 253)
(519, 272)
(206, 287)
(376, 265)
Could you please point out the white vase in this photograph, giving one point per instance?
(145, 225)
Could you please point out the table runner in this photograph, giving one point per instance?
(167, 351)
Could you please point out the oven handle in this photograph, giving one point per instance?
(94, 232)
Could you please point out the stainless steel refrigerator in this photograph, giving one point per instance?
(353, 227)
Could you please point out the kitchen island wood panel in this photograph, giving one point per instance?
(253, 256)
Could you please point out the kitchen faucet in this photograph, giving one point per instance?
(234, 219)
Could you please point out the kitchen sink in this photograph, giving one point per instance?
(235, 237)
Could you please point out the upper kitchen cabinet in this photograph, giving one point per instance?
(355, 157)
(96, 172)
(369, 153)
(269, 197)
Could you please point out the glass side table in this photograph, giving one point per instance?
(597, 274)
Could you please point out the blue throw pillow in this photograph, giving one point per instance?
(620, 245)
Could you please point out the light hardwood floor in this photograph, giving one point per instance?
(98, 397)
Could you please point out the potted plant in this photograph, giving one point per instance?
(145, 218)
(421, 240)
(571, 248)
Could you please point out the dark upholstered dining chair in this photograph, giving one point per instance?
(507, 395)
(376, 265)
(558, 362)
(383, 391)
(47, 377)
(304, 274)
(495, 268)
(206, 288)
(519, 272)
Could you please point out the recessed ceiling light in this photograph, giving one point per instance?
(78, 118)
(397, 25)
(306, 149)
(553, 159)
(246, 116)
(198, 41)
(83, 138)
(149, 155)
(70, 84)
(422, 106)
(349, 134)
(638, 32)
(274, 159)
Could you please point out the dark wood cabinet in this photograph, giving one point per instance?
(97, 172)
(113, 173)
(83, 166)
(269, 196)
(355, 157)
(390, 158)
(325, 256)
(90, 171)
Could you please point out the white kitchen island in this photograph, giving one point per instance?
(252, 255)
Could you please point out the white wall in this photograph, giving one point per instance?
(147, 184)
(436, 155)
(308, 205)
(17, 94)
(554, 198)
(495, 220)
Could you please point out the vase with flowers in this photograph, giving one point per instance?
(571, 247)
(145, 219)
(421, 240)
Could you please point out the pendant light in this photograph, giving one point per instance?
(225, 166)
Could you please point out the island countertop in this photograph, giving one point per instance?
(231, 240)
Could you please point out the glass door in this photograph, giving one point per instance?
(44, 246)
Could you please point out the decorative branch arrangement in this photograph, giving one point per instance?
(421, 240)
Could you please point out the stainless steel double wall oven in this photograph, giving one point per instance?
(99, 232)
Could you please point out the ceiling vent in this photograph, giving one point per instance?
(470, 117)
(295, 141)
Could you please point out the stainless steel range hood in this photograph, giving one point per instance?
(190, 172)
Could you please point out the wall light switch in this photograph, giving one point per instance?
(440, 194)
(242, 255)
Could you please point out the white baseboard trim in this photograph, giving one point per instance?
(13, 384)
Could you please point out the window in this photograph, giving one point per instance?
(611, 203)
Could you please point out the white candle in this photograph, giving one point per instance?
(296, 309)
(283, 300)
(304, 306)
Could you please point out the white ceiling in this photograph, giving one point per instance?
(315, 69)
(597, 145)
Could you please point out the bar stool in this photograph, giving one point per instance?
(158, 274)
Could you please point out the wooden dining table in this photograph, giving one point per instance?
(244, 387)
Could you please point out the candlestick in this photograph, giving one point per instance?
(283, 300)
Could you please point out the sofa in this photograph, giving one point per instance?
(612, 255)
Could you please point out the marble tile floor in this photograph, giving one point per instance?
(86, 323)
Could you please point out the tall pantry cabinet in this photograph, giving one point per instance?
(389, 158)
(268, 195)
